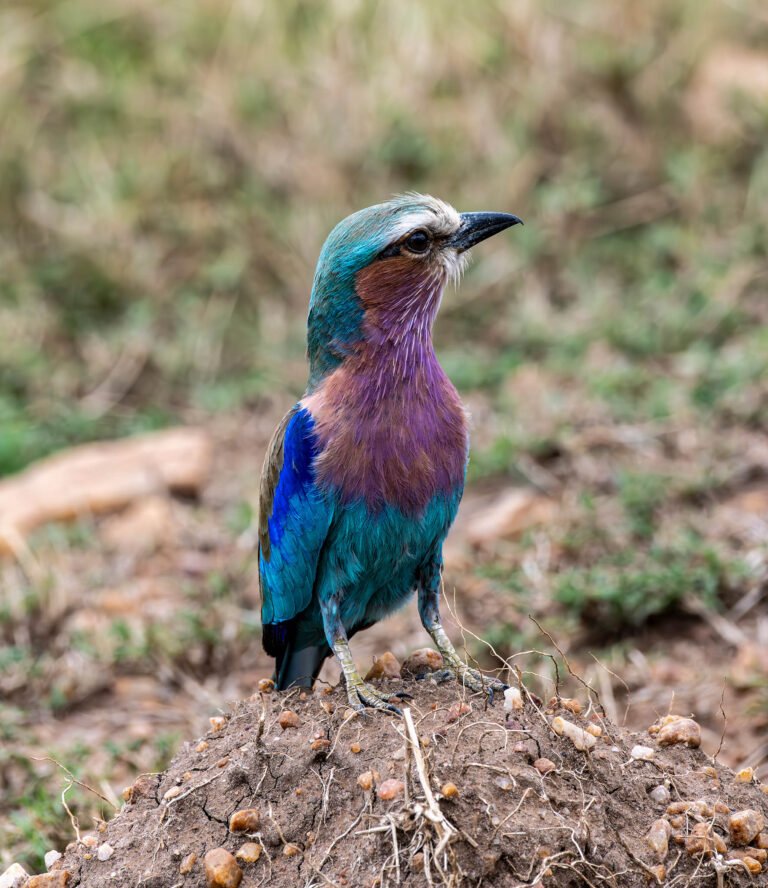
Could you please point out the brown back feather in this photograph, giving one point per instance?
(270, 474)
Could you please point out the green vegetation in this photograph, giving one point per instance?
(624, 591)
(168, 174)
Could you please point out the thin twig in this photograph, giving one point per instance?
(74, 779)
(444, 827)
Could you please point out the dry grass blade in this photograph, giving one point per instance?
(445, 829)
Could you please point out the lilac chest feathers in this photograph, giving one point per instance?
(391, 428)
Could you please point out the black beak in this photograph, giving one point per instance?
(476, 227)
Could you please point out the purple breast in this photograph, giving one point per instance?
(391, 427)
(399, 450)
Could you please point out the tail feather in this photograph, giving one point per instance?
(299, 668)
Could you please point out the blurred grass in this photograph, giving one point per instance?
(168, 173)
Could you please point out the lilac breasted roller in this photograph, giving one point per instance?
(364, 475)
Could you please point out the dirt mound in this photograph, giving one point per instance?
(533, 795)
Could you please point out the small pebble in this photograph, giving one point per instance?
(594, 730)
(660, 794)
(659, 872)
(504, 784)
(709, 771)
(265, 686)
(457, 709)
(385, 666)
(221, 869)
(14, 877)
(579, 737)
(417, 862)
(245, 820)
(513, 699)
(48, 880)
(746, 825)
(250, 852)
(367, 779)
(762, 840)
(642, 753)
(702, 809)
(186, 865)
(291, 850)
(288, 719)
(90, 841)
(201, 746)
(355, 747)
(704, 841)
(571, 704)
(544, 766)
(218, 722)
(421, 662)
(722, 808)
(657, 838)
(172, 793)
(51, 857)
(678, 807)
(320, 744)
(745, 775)
(680, 731)
(660, 723)
(449, 790)
(390, 789)
(104, 852)
(751, 863)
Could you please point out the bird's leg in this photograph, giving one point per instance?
(359, 693)
(429, 611)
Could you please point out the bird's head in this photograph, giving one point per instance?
(382, 271)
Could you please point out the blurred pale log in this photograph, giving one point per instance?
(726, 73)
(510, 515)
(102, 477)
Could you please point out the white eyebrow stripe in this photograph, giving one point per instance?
(442, 219)
(423, 219)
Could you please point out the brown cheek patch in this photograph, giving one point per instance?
(377, 282)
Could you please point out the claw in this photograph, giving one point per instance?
(472, 679)
(363, 696)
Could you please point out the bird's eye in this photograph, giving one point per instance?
(418, 241)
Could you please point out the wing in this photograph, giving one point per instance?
(294, 518)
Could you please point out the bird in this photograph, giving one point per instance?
(362, 478)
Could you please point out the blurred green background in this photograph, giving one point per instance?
(168, 173)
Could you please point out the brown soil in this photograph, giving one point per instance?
(583, 823)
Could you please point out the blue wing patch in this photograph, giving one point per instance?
(293, 524)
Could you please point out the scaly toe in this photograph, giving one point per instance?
(472, 679)
(375, 699)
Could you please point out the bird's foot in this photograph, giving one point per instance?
(362, 695)
(471, 678)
